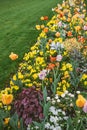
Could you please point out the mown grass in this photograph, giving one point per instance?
(17, 31)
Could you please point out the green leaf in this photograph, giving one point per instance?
(14, 122)
(37, 124)
(21, 125)
(46, 109)
(45, 94)
(69, 124)
(1, 124)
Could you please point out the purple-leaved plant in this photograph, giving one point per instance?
(27, 105)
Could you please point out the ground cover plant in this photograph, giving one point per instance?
(49, 90)
(17, 31)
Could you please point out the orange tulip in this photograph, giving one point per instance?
(45, 17)
(50, 40)
(52, 59)
(13, 56)
(7, 99)
(51, 66)
(81, 39)
(69, 33)
(57, 34)
(80, 101)
(61, 14)
(45, 29)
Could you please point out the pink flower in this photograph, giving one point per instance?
(85, 107)
(60, 24)
(59, 58)
(85, 27)
(42, 74)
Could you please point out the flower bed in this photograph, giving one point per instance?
(49, 91)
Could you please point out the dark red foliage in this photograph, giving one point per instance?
(27, 105)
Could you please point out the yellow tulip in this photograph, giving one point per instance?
(38, 27)
(7, 99)
(80, 101)
(77, 28)
(6, 121)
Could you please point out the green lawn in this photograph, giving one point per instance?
(17, 30)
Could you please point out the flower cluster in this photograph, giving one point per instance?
(57, 62)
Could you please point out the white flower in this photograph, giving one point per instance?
(60, 118)
(63, 112)
(28, 128)
(78, 121)
(48, 98)
(58, 128)
(58, 100)
(71, 105)
(63, 95)
(59, 110)
(66, 92)
(52, 127)
(53, 101)
(52, 108)
(53, 119)
(71, 95)
(55, 112)
(47, 125)
(56, 96)
(36, 127)
(78, 92)
(65, 118)
(53, 9)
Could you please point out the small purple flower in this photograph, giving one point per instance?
(42, 74)
(85, 107)
(85, 27)
(59, 58)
